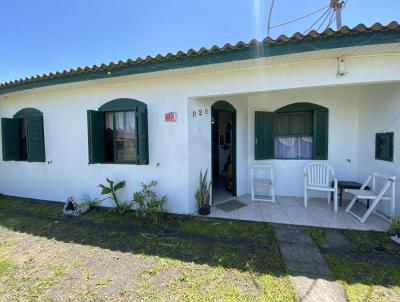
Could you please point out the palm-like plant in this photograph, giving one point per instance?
(203, 192)
(111, 189)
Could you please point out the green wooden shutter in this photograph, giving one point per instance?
(142, 134)
(264, 135)
(320, 144)
(35, 139)
(10, 134)
(96, 136)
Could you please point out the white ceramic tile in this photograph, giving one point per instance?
(276, 218)
(271, 208)
(299, 216)
(252, 213)
(290, 210)
(318, 212)
(319, 203)
(245, 198)
(231, 215)
(214, 212)
(288, 201)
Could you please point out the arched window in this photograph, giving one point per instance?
(117, 133)
(296, 131)
(23, 136)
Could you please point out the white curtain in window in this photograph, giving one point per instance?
(293, 147)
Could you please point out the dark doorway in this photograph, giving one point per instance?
(223, 151)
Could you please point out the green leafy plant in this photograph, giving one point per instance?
(203, 192)
(395, 226)
(86, 204)
(150, 206)
(111, 190)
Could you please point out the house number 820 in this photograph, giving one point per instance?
(200, 112)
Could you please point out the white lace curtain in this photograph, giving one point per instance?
(293, 147)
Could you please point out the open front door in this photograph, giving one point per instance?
(223, 151)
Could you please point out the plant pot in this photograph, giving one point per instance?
(204, 210)
(396, 239)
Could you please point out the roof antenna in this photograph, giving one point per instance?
(337, 6)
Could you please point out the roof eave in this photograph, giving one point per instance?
(252, 50)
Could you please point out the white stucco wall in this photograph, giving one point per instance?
(179, 150)
(379, 111)
(65, 130)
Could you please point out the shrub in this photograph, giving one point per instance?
(395, 226)
(86, 204)
(150, 206)
(111, 189)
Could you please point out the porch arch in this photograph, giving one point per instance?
(300, 107)
(223, 106)
(28, 112)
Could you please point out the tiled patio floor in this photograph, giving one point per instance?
(291, 210)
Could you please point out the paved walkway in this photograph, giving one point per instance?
(309, 273)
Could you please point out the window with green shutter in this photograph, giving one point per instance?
(117, 133)
(23, 136)
(296, 131)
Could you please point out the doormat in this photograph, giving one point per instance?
(231, 205)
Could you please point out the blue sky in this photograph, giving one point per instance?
(47, 35)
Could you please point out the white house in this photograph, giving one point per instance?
(324, 96)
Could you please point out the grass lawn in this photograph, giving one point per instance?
(102, 256)
(370, 271)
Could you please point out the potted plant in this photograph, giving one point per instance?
(395, 229)
(203, 194)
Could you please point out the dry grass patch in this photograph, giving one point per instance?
(106, 257)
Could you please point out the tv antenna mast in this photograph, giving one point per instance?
(337, 6)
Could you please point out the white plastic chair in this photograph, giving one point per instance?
(373, 195)
(262, 175)
(318, 176)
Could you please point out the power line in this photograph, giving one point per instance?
(332, 13)
(331, 19)
(297, 19)
(326, 17)
(330, 22)
(312, 25)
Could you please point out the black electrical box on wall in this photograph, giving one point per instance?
(384, 146)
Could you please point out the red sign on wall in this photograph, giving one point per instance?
(170, 117)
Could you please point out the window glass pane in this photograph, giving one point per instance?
(23, 146)
(305, 147)
(109, 136)
(298, 124)
(282, 124)
(125, 127)
(293, 147)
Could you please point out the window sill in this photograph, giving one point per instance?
(23, 161)
(120, 163)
